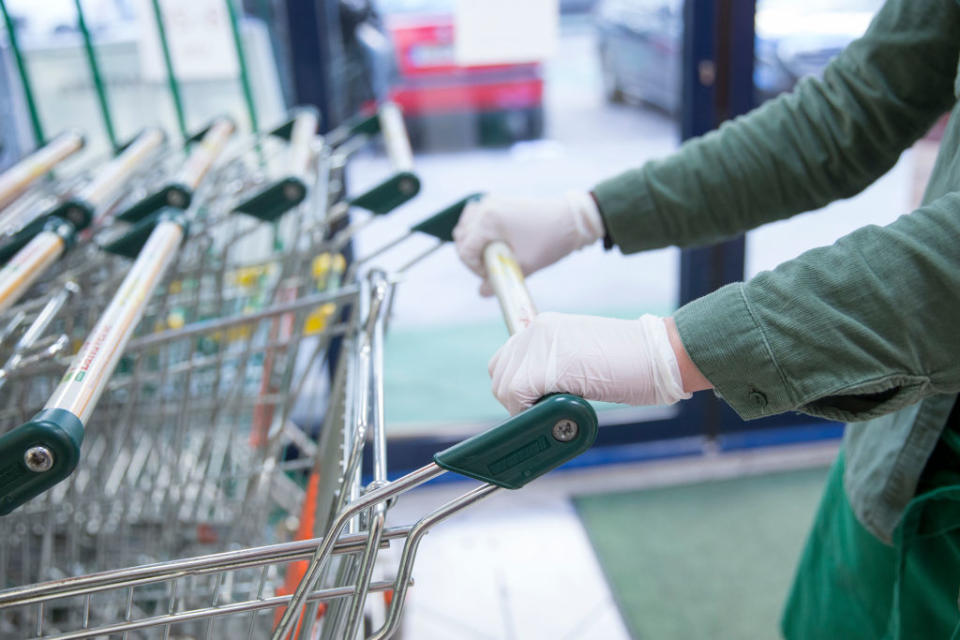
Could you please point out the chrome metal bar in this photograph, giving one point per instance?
(209, 326)
(410, 552)
(37, 329)
(372, 408)
(398, 486)
(208, 612)
(381, 290)
(200, 565)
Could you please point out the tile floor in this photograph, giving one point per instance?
(518, 566)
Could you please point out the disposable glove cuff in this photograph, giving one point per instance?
(587, 221)
(665, 378)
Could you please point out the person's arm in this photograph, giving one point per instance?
(864, 327)
(827, 139)
(848, 332)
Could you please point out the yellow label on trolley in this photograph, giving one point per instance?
(318, 319)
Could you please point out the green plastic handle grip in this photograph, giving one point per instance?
(440, 225)
(76, 212)
(389, 194)
(275, 200)
(174, 195)
(556, 429)
(37, 455)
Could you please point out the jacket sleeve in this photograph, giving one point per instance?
(828, 139)
(848, 332)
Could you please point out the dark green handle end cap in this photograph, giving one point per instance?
(440, 225)
(12, 244)
(177, 196)
(278, 198)
(364, 125)
(56, 433)
(548, 434)
(389, 194)
(76, 212)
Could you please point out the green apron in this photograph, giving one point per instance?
(851, 586)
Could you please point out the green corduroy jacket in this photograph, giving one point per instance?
(866, 330)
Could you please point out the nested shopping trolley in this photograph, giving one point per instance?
(155, 492)
(185, 421)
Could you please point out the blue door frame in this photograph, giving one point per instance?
(717, 84)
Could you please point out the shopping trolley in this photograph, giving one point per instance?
(193, 428)
(318, 587)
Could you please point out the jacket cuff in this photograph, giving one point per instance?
(728, 345)
(629, 213)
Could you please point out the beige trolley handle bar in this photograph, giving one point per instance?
(79, 209)
(556, 429)
(45, 450)
(204, 148)
(54, 235)
(15, 180)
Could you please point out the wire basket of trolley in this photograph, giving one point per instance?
(182, 390)
(319, 584)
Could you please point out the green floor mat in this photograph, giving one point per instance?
(705, 561)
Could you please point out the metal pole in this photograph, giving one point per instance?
(28, 97)
(97, 77)
(244, 70)
(172, 81)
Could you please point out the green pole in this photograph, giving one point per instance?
(97, 77)
(24, 78)
(171, 75)
(244, 71)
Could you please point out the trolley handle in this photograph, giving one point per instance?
(395, 138)
(556, 429)
(207, 145)
(108, 181)
(79, 209)
(281, 195)
(45, 450)
(303, 129)
(15, 180)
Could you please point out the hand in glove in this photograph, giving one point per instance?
(540, 231)
(636, 362)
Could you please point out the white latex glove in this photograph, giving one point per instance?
(625, 361)
(540, 231)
